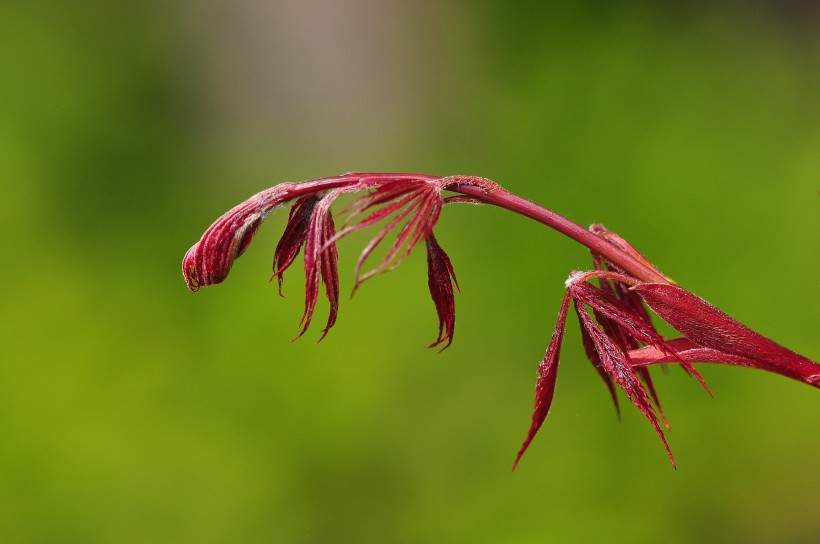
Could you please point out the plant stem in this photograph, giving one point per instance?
(504, 199)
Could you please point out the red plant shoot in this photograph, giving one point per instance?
(610, 301)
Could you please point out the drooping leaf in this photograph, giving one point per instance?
(293, 236)
(616, 364)
(440, 279)
(592, 356)
(547, 375)
(626, 342)
(321, 263)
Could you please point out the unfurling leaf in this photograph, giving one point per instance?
(209, 261)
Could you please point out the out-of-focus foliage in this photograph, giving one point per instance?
(133, 411)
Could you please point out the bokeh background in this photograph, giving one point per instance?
(134, 411)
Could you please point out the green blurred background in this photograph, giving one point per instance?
(134, 411)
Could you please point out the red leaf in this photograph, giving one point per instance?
(440, 279)
(388, 209)
(293, 236)
(209, 260)
(617, 241)
(321, 263)
(692, 352)
(709, 327)
(616, 364)
(646, 378)
(592, 356)
(626, 342)
(425, 207)
(383, 194)
(547, 374)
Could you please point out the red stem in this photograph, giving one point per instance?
(504, 199)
